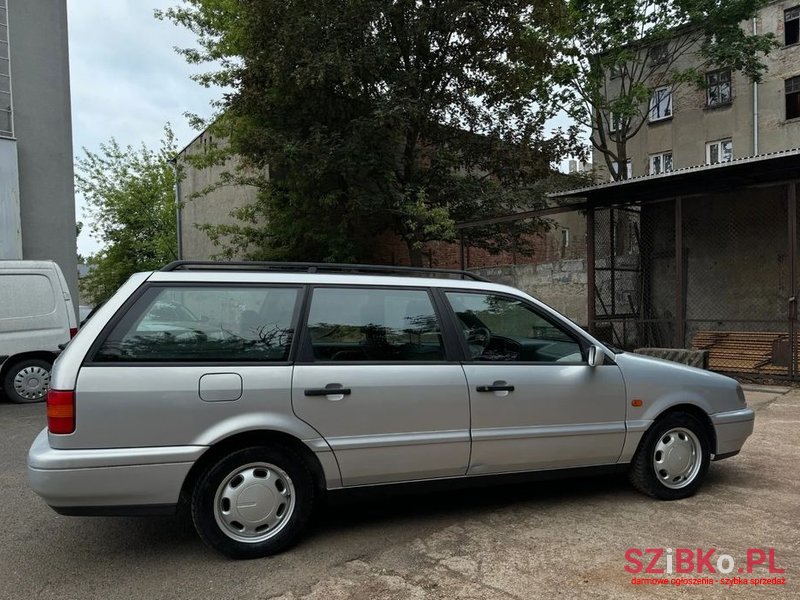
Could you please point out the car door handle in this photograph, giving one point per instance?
(327, 391)
(495, 388)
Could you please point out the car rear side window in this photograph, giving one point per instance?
(373, 324)
(204, 324)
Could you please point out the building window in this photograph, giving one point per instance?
(628, 169)
(661, 104)
(793, 98)
(659, 54)
(719, 151)
(614, 122)
(718, 88)
(660, 163)
(791, 26)
(564, 241)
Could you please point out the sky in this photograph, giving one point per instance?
(127, 81)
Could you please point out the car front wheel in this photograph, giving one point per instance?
(253, 502)
(672, 459)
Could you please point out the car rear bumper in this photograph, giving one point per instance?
(109, 481)
(732, 429)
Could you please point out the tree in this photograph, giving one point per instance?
(374, 115)
(131, 202)
(613, 55)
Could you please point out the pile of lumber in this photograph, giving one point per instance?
(750, 352)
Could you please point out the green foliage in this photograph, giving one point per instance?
(608, 63)
(375, 116)
(131, 198)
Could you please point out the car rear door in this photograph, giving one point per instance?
(377, 378)
(536, 403)
(182, 363)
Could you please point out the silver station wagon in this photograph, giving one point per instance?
(246, 390)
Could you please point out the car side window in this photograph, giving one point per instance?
(499, 328)
(374, 324)
(196, 324)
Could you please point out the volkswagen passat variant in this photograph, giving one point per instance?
(246, 390)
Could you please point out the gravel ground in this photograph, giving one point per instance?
(564, 539)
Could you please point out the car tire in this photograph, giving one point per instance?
(254, 502)
(672, 459)
(27, 381)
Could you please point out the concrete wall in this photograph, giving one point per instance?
(212, 208)
(561, 284)
(43, 128)
(693, 124)
(10, 225)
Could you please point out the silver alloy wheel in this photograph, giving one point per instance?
(677, 458)
(254, 503)
(32, 382)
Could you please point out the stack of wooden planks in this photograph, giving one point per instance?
(751, 352)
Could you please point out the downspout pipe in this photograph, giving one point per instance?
(755, 100)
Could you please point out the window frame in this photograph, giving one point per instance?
(305, 350)
(661, 155)
(787, 20)
(654, 104)
(558, 323)
(717, 85)
(124, 312)
(718, 143)
(795, 82)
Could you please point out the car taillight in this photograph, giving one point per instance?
(73, 332)
(61, 411)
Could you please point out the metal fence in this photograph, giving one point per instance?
(715, 272)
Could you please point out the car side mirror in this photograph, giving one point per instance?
(595, 356)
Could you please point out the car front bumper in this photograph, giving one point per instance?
(109, 481)
(732, 428)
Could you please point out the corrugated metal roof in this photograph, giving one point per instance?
(762, 169)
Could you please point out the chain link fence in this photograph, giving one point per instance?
(709, 272)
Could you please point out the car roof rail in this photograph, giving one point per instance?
(314, 267)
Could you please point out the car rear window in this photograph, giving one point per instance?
(374, 324)
(208, 323)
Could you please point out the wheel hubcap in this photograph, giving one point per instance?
(254, 502)
(32, 382)
(677, 458)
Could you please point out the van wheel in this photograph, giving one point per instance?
(253, 502)
(672, 459)
(27, 380)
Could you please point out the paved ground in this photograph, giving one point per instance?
(539, 540)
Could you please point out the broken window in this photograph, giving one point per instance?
(718, 87)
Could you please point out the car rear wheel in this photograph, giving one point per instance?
(27, 381)
(672, 459)
(253, 502)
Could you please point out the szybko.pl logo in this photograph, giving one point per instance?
(701, 564)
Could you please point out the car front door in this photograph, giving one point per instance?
(536, 403)
(375, 380)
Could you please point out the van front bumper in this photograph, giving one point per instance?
(109, 481)
(732, 428)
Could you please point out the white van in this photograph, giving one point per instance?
(36, 317)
